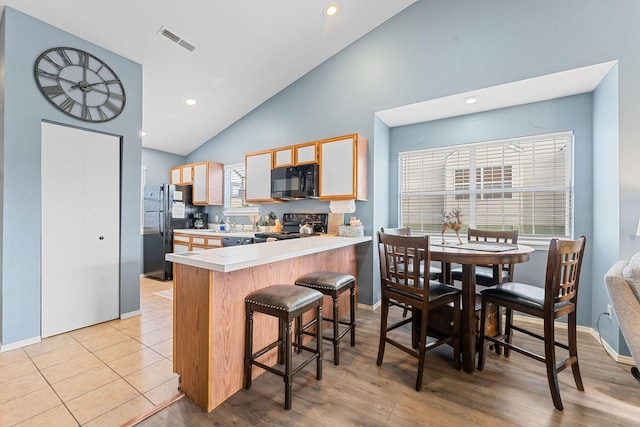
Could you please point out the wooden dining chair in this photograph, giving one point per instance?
(402, 283)
(435, 273)
(558, 298)
(490, 274)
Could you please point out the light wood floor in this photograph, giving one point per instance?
(511, 391)
(103, 375)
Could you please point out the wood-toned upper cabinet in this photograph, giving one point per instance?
(283, 157)
(343, 168)
(300, 154)
(182, 175)
(208, 186)
(305, 153)
(258, 177)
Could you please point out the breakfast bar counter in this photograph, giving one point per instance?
(209, 288)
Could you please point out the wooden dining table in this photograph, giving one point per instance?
(469, 255)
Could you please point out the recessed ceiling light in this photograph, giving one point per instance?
(470, 100)
(330, 10)
(190, 101)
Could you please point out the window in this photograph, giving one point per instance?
(488, 177)
(234, 180)
(524, 184)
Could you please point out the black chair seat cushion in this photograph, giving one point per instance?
(328, 280)
(484, 275)
(519, 293)
(287, 298)
(436, 291)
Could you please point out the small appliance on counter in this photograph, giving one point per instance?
(200, 220)
(293, 226)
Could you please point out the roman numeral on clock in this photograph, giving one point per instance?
(52, 91)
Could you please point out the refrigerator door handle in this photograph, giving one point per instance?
(162, 208)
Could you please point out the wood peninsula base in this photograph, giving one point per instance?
(209, 318)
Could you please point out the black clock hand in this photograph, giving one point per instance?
(108, 82)
(85, 85)
(56, 77)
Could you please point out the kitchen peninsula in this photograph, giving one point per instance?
(209, 288)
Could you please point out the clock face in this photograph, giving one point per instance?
(79, 84)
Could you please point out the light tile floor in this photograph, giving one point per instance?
(103, 375)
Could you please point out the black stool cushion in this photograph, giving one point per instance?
(286, 298)
(328, 280)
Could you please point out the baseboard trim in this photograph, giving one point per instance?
(370, 307)
(130, 314)
(18, 344)
(627, 360)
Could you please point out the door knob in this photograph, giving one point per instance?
(101, 237)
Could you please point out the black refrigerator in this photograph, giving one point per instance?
(166, 208)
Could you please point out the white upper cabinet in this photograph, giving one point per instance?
(258, 177)
(306, 153)
(283, 157)
(208, 188)
(182, 175)
(343, 168)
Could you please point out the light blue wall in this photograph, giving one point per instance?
(442, 47)
(606, 214)
(565, 114)
(158, 163)
(25, 107)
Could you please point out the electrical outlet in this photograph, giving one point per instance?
(609, 311)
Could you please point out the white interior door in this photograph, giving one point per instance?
(80, 228)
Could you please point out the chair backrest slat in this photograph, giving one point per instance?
(498, 236)
(400, 259)
(563, 270)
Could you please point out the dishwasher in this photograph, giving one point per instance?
(235, 241)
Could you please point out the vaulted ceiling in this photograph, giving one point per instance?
(245, 52)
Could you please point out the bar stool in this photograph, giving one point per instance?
(332, 284)
(286, 302)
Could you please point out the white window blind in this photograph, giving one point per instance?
(522, 183)
(234, 179)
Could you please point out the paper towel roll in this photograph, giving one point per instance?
(342, 206)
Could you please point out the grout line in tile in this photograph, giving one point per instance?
(153, 308)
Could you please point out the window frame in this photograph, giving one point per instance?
(239, 168)
(474, 189)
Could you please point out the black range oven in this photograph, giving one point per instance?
(291, 223)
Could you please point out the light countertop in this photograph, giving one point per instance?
(234, 258)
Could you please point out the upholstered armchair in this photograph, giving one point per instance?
(623, 285)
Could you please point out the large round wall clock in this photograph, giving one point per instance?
(79, 84)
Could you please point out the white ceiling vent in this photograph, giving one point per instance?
(176, 39)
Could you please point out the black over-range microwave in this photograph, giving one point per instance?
(296, 182)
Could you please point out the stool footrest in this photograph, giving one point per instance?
(328, 337)
(266, 349)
